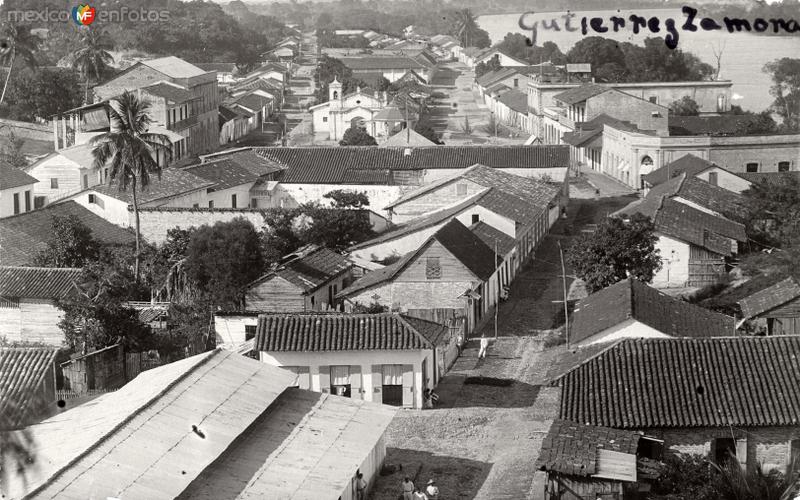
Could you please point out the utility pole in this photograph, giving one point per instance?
(497, 300)
(564, 281)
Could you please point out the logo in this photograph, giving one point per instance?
(83, 14)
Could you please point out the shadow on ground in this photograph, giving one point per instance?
(454, 393)
(457, 478)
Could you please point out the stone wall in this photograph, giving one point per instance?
(770, 446)
(29, 130)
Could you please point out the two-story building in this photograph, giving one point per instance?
(361, 108)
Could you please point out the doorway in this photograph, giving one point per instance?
(392, 385)
(340, 381)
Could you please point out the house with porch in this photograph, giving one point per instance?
(17, 190)
(28, 302)
(303, 281)
(632, 309)
(715, 407)
(384, 358)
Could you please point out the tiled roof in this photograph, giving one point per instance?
(699, 228)
(465, 246)
(23, 236)
(498, 88)
(327, 165)
(771, 178)
(407, 137)
(376, 63)
(37, 282)
(11, 177)
(494, 238)
(169, 91)
(668, 383)
(689, 163)
(580, 94)
(419, 223)
(516, 100)
(229, 112)
(594, 129)
(22, 372)
(312, 267)
(80, 154)
(382, 177)
(632, 299)
(252, 101)
(344, 332)
(707, 125)
(720, 200)
(174, 67)
(571, 448)
(223, 173)
(778, 294)
(495, 76)
(173, 181)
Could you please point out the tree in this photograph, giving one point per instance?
(685, 106)
(424, 128)
(518, 46)
(17, 41)
(70, 245)
(759, 123)
(279, 237)
(347, 199)
(335, 228)
(467, 31)
(597, 51)
(785, 89)
(91, 58)
(12, 153)
(484, 67)
(774, 218)
(42, 93)
(130, 151)
(617, 249)
(222, 259)
(357, 136)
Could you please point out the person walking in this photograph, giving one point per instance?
(408, 489)
(484, 346)
(419, 495)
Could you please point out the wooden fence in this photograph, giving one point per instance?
(65, 394)
(137, 362)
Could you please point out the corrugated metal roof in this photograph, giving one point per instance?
(22, 372)
(174, 67)
(169, 91)
(38, 282)
(303, 332)
(307, 447)
(674, 383)
(154, 436)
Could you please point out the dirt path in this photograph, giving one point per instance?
(481, 442)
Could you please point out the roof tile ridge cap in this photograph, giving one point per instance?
(55, 476)
(631, 298)
(414, 331)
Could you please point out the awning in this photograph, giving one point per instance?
(172, 136)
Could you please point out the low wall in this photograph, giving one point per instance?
(28, 130)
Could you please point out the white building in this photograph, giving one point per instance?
(359, 108)
(17, 190)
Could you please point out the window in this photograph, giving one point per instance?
(27, 201)
(516, 82)
(653, 99)
(92, 198)
(461, 189)
(392, 387)
(794, 453)
(783, 166)
(340, 381)
(16, 203)
(433, 270)
(196, 205)
(751, 167)
(712, 178)
(233, 201)
(210, 203)
(54, 183)
(249, 332)
(254, 203)
(476, 218)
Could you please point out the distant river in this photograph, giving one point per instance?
(743, 57)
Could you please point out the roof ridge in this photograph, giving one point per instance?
(416, 332)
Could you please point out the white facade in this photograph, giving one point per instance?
(17, 200)
(725, 179)
(366, 381)
(339, 113)
(60, 177)
(629, 329)
(674, 270)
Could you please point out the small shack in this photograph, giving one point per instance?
(775, 309)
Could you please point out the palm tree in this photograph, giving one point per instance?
(16, 41)
(130, 151)
(91, 58)
(466, 25)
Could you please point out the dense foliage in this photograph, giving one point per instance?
(786, 91)
(617, 249)
(357, 136)
(685, 106)
(71, 244)
(41, 93)
(775, 212)
(518, 46)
